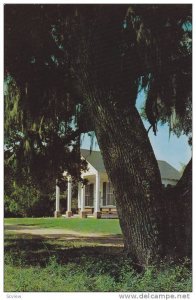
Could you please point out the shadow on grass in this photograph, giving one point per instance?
(36, 263)
(27, 251)
(20, 227)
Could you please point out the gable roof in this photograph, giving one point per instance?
(95, 159)
(167, 171)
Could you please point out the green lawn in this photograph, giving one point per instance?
(89, 225)
(40, 264)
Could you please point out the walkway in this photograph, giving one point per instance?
(63, 234)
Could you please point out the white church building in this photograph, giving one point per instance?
(96, 198)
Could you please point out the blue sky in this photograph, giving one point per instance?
(172, 149)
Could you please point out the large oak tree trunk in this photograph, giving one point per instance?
(108, 82)
(129, 159)
(184, 192)
(178, 206)
(134, 173)
(155, 223)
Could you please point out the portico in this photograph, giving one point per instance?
(89, 196)
(93, 197)
(97, 197)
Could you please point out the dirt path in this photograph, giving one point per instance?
(63, 234)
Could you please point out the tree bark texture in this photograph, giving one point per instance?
(107, 76)
(155, 223)
(178, 207)
(109, 94)
(133, 171)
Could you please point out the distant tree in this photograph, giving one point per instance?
(22, 197)
(76, 68)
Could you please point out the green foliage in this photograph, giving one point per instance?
(57, 57)
(167, 69)
(21, 201)
(77, 277)
(28, 202)
(176, 278)
(60, 265)
(23, 197)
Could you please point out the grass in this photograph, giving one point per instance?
(89, 225)
(37, 264)
(92, 275)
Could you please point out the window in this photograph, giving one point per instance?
(89, 194)
(108, 194)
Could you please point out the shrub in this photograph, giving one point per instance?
(27, 201)
(79, 277)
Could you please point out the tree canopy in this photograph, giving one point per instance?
(55, 59)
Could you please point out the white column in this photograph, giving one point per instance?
(79, 195)
(57, 198)
(82, 198)
(82, 209)
(69, 193)
(97, 196)
(57, 211)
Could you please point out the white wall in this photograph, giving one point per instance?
(90, 170)
(169, 181)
